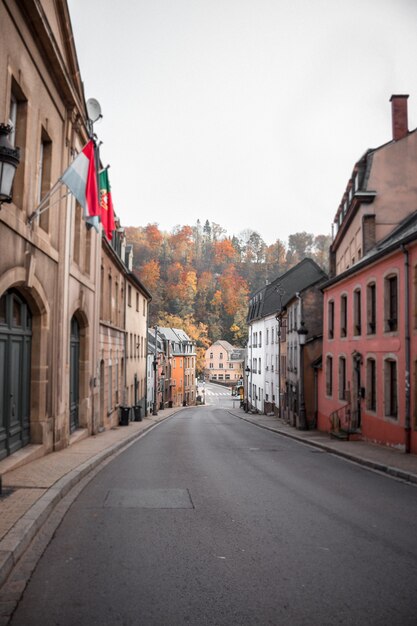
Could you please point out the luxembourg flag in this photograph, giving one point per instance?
(81, 180)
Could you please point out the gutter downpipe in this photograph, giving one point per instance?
(407, 419)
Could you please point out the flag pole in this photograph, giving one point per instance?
(41, 206)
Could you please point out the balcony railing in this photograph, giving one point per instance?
(344, 421)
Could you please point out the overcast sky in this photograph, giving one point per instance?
(249, 113)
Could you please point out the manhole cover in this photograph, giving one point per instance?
(149, 499)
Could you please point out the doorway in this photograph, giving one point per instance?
(74, 374)
(15, 365)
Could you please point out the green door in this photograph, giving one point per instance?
(74, 373)
(15, 355)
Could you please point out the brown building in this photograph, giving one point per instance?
(63, 310)
(48, 267)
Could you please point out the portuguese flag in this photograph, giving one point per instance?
(106, 204)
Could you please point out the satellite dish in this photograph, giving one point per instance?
(93, 110)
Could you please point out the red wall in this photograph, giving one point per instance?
(375, 426)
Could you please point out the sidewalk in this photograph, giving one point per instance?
(377, 457)
(31, 491)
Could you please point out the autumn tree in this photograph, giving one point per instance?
(149, 274)
(300, 246)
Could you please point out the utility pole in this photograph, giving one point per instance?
(155, 368)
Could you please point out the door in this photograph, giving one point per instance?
(15, 357)
(74, 373)
(356, 390)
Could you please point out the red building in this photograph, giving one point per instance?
(367, 385)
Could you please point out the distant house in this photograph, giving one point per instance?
(268, 388)
(179, 372)
(368, 382)
(223, 363)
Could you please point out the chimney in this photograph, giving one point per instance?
(399, 117)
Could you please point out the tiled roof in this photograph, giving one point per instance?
(274, 297)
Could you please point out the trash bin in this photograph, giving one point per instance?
(137, 411)
(124, 416)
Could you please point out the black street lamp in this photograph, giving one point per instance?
(9, 160)
(302, 335)
(247, 372)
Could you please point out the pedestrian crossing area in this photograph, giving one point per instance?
(218, 393)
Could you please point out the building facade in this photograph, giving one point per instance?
(368, 381)
(223, 363)
(181, 365)
(272, 387)
(49, 265)
(63, 311)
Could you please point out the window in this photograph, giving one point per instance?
(343, 316)
(357, 328)
(390, 388)
(116, 302)
(260, 339)
(144, 307)
(267, 336)
(391, 303)
(272, 335)
(221, 355)
(214, 377)
(137, 302)
(110, 388)
(260, 366)
(211, 355)
(211, 366)
(129, 295)
(371, 309)
(44, 176)
(18, 118)
(117, 381)
(371, 385)
(220, 376)
(415, 297)
(221, 366)
(342, 378)
(330, 323)
(110, 299)
(329, 376)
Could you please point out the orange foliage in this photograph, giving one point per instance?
(234, 290)
(153, 236)
(224, 252)
(149, 274)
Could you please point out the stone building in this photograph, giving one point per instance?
(63, 310)
(48, 267)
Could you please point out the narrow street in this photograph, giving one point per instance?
(211, 520)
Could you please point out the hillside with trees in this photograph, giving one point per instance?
(201, 280)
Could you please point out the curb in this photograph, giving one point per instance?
(18, 538)
(395, 472)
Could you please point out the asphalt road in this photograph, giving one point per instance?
(211, 520)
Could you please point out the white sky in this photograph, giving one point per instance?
(249, 113)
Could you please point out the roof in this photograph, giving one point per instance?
(224, 344)
(404, 233)
(274, 297)
(177, 338)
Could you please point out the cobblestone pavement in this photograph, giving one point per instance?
(36, 495)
